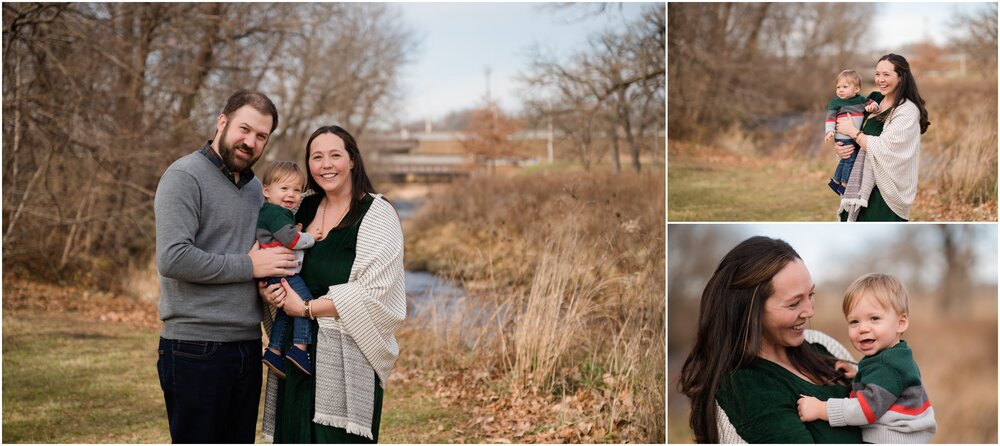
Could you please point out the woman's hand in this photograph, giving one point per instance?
(844, 151)
(811, 409)
(850, 369)
(272, 294)
(294, 305)
(846, 126)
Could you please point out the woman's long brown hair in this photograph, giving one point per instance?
(730, 326)
(906, 90)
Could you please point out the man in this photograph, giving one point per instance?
(206, 209)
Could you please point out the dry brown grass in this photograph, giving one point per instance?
(960, 146)
(958, 159)
(575, 267)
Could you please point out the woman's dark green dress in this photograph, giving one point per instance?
(327, 263)
(878, 209)
(761, 401)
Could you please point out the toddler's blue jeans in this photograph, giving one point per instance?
(301, 329)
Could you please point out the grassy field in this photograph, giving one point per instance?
(781, 175)
(734, 188)
(710, 184)
(68, 379)
(85, 372)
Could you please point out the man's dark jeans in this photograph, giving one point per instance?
(212, 389)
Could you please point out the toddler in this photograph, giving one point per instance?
(283, 185)
(848, 103)
(887, 399)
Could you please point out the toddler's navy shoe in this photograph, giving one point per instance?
(301, 359)
(274, 362)
(836, 187)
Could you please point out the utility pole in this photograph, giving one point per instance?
(550, 138)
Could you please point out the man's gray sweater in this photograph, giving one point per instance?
(205, 226)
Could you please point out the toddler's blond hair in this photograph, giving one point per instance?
(886, 289)
(851, 76)
(281, 171)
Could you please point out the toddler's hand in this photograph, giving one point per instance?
(298, 227)
(811, 409)
(871, 108)
(829, 137)
(848, 367)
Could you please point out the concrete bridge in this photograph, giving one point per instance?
(404, 168)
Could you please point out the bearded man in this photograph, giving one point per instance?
(210, 347)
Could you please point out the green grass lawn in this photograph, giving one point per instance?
(69, 379)
(72, 380)
(703, 190)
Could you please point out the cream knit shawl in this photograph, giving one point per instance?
(372, 305)
(892, 159)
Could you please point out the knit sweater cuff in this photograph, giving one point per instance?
(835, 412)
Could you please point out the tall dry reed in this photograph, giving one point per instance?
(577, 262)
(960, 146)
(554, 316)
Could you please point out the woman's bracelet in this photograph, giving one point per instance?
(857, 135)
(308, 312)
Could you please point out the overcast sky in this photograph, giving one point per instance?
(459, 40)
(897, 24)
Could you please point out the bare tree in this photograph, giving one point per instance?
(100, 98)
(957, 251)
(978, 38)
(731, 63)
(616, 86)
(342, 67)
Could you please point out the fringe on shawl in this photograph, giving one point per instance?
(345, 424)
(859, 187)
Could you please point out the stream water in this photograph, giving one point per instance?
(424, 289)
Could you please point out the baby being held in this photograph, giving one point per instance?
(847, 104)
(887, 398)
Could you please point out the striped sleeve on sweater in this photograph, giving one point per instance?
(895, 158)
(372, 304)
(888, 400)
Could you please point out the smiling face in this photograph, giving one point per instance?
(846, 89)
(242, 137)
(329, 164)
(872, 327)
(286, 192)
(789, 307)
(886, 78)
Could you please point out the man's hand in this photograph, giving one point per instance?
(811, 409)
(850, 369)
(272, 262)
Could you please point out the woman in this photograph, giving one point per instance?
(356, 269)
(883, 182)
(750, 355)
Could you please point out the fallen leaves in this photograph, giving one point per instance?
(20, 294)
(501, 415)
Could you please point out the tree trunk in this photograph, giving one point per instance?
(616, 165)
(203, 61)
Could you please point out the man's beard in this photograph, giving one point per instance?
(228, 154)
